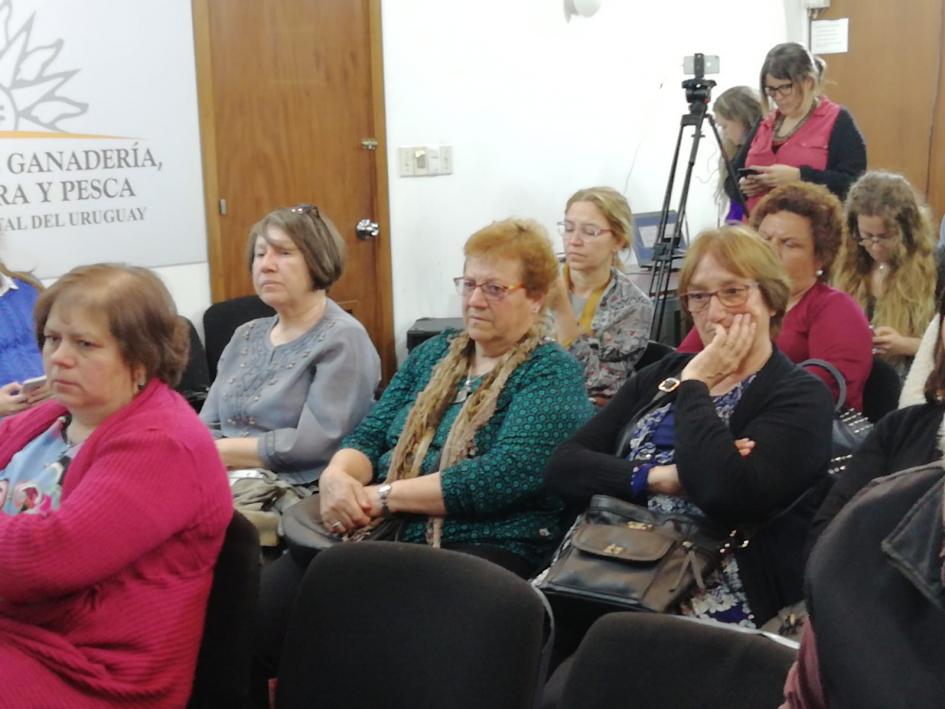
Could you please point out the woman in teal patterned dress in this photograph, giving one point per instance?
(458, 443)
(461, 435)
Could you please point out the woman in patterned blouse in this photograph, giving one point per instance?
(600, 316)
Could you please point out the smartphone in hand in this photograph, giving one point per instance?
(747, 172)
(31, 386)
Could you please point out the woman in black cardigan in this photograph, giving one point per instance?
(743, 434)
(902, 439)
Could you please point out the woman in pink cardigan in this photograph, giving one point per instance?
(113, 505)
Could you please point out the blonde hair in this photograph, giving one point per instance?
(616, 210)
(909, 300)
(20, 275)
(739, 104)
(742, 251)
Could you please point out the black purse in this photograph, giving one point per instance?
(306, 534)
(850, 427)
(626, 556)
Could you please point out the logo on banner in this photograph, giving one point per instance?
(55, 177)
(31, 84)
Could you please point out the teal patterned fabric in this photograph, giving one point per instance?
(497, 497)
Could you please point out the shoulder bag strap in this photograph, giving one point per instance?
(835, 373)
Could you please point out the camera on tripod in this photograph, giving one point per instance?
(699, 89)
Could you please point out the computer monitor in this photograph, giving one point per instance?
(645, 230)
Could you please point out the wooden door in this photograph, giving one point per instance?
(291, 100)
(891, 80)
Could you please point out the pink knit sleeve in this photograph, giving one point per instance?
(840, 334)
(803, 689)
(138, 490)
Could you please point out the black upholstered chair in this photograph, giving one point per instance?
(385, 624)
(654, 352)
(195, 381)
(668, 662)
(220, 321)
(222, 679)
(881, 390)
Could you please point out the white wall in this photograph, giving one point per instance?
(536, 108)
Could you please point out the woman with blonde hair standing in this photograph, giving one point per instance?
(737, 112)
(888, 263)
(600, 316)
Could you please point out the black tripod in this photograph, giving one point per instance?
(698, 94)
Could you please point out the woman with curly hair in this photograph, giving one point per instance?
(888, 263)
(803, 223)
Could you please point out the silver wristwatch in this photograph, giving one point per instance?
(383, 492)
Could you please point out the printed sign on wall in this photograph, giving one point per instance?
(99, 138)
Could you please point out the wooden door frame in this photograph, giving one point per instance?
(211, 187)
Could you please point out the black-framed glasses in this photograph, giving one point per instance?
(491, 290)
(730, 296)
(309, 209)
(779, 90)
(568, 229)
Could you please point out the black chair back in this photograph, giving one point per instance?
(386, 624)
(220, 321)
(881, 390)
(654, 352)
(222, 679)
(195, 381)
(668, 662)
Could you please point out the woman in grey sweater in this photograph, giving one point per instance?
(290, 386)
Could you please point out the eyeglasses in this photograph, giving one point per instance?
(309, 209)
(491, 291)
(874, 240)
(729, 296)
(780, 90)
(569, 229)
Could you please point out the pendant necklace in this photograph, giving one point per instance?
(465, 389)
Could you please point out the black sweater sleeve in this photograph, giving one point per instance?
(790, 426)
(586, 465)
(789, 419)
(846, 157)
(902, 439)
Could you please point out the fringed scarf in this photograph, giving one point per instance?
(433, 402)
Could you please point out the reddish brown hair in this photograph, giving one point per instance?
(138, 309)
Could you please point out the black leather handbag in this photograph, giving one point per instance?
(624, 555)
(850, 427)
(306, 535)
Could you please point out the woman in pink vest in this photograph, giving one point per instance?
(807, 136)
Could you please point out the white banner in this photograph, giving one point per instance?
(99, 137)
